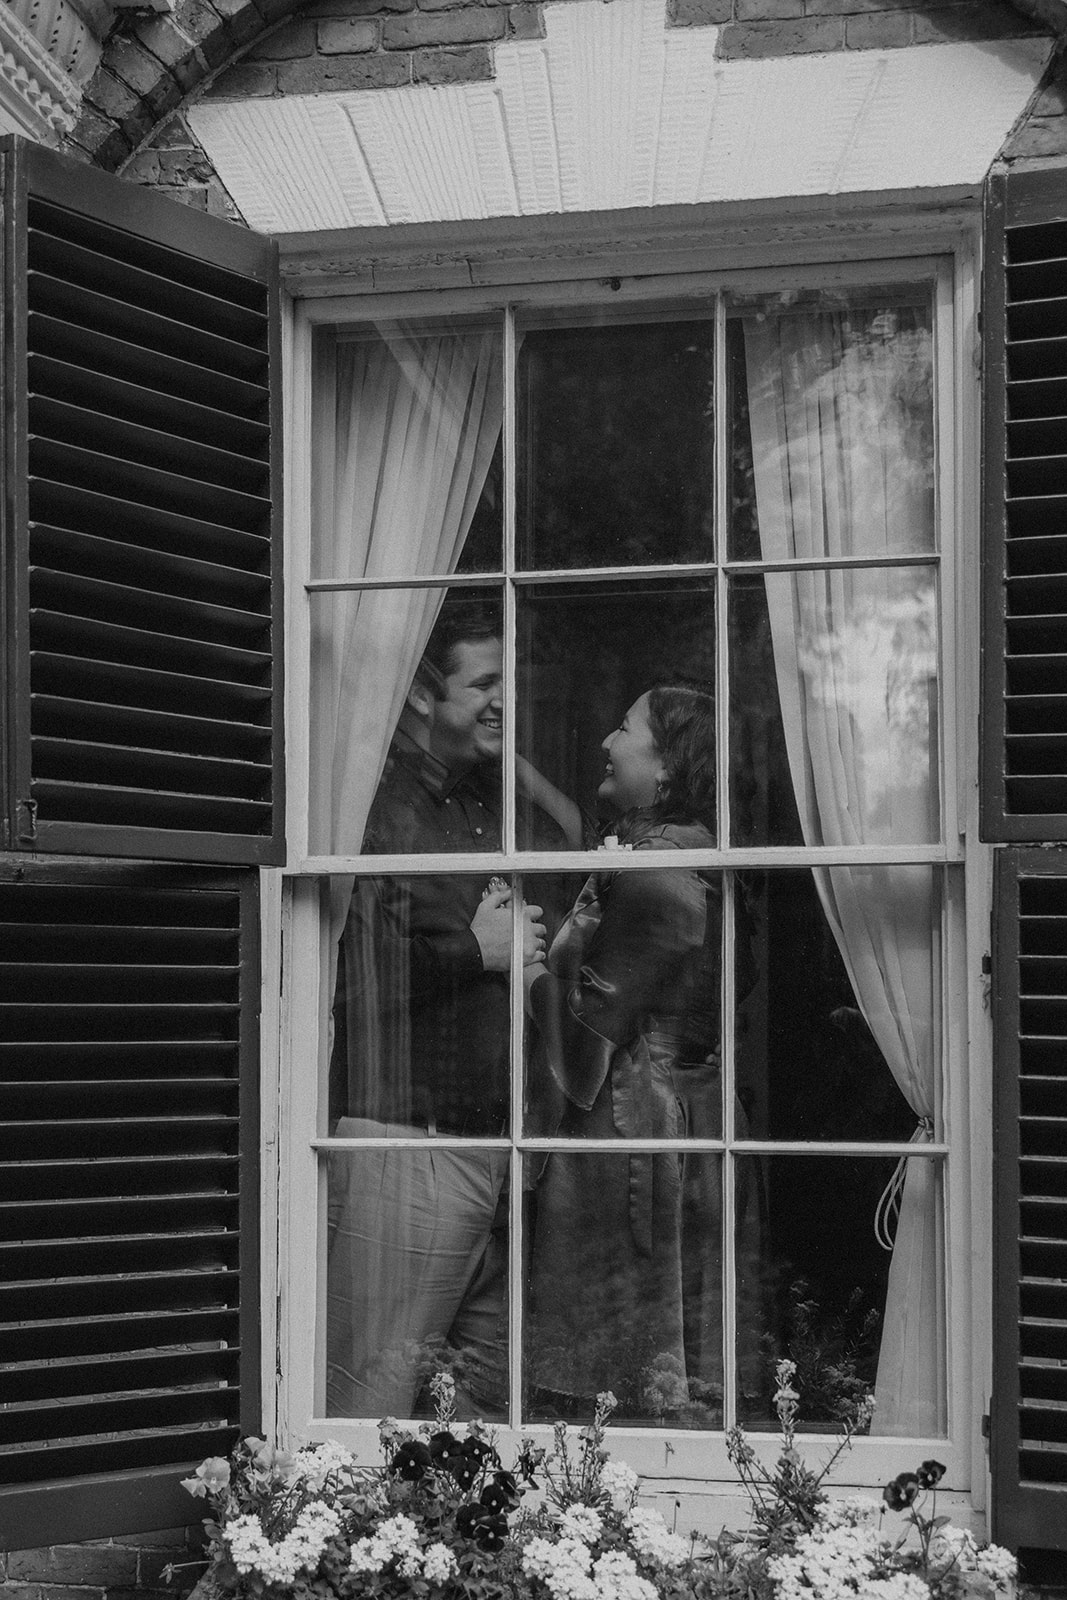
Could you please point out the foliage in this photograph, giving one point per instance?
(444, 1519)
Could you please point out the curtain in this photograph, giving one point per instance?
(405, 430)
(840, 410)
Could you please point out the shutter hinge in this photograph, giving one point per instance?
(987, 965)
(27, 821)
(987, 1427)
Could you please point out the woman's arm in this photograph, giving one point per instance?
(537, 788)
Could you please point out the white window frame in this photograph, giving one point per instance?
(677, 1462)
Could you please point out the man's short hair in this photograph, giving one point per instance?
(461, 621)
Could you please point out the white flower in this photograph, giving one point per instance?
(438, 1563)
(830, 1564)
(901, 1586)
(653, 1540)
(850, 1511)
(315, 1464)
(582, 1522)
(616, 1578)
(997, 1563)
(562, 1566)
(619, 1482)
(298, 1551)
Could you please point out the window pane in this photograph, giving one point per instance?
(838, 1002)
(834, 713)
(623, 1035)
(824, 1290)
(406, 469)
(615, 444)
(831, 426)
(421, 1015)
(586, 655)
(416, 1278)
(624, 1286)
(407, 727)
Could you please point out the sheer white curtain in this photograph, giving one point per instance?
(839, 407)
(405, 429)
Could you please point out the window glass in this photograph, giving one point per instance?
(416, 1278)
(407, 455)
(586, 654)
(624, 1287)
(616, 447)
(837, 993)
(720, 1057)
(837, 1234)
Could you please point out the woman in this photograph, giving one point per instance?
(625, 1262)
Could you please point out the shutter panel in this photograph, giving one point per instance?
(128, 1079)
(142, 352)
(1029, 1403)
(1024, 699)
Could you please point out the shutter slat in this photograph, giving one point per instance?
(117, 683)
(145, 1332)
(114, 1214)
(136, 1448)
(121, 439)
(82, 761)
(85, 510)
(216, 1406)
(144, 808)
(112, 356)
(163, 571)
(138, 647)
(106, 601)
(170, 336)
(101, 1295)
(148, 1057)
(25, 983)
(73, 465)
(186, 1369)
(61, 257)
(148, 405)
(120, 725)
(63, 1258)
(123, 1175)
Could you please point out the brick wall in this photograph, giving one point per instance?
(239, 49)
(129, 1567)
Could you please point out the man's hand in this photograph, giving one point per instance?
(491, 927)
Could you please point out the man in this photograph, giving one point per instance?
(418, 1237)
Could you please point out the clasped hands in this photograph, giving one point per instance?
(491, 926)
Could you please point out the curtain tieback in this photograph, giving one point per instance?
(887, 1211)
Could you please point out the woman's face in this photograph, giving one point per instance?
(635, 766)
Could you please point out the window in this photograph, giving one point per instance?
(627, 937)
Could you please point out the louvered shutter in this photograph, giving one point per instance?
(128, 1155)
(143, 562)
(1024, 743)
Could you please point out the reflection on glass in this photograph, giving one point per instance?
(586, 655)
(615, 445)
(624, 1286)
(831, 426)
(824, 1290)
(416, 1278)
(406, 451)
(421, 1016)
(842, 672)
(837, 989)
(623, 1035)
(407, 728)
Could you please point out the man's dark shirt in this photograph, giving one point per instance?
(420, 1028)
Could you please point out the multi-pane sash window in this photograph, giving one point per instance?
(630, 886)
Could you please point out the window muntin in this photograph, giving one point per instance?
(521, 598)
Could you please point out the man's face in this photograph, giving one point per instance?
(468, 724)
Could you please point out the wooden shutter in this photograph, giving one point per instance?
(128, 1204)
(1029, 1407)
(1024, 743)
(143, 599)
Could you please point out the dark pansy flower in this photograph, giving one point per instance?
(445, 1448)
(476, 1450)
(410, 1461)
(901, 1493)
(930, 1474)
(491, 1533)
(502, 1493)
(464, 1472)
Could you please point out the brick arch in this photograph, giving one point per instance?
(152, 63)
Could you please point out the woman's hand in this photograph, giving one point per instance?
(491, 926)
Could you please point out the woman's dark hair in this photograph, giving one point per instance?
(681, 716)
